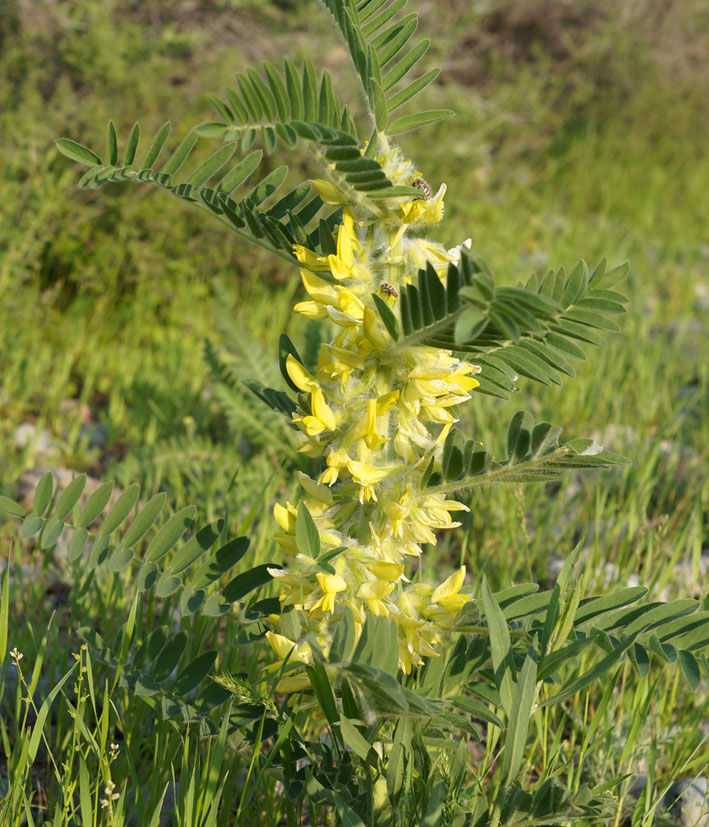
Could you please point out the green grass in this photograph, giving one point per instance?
(106, 299)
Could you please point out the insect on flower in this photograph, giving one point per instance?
(421, 184)
(388, 290)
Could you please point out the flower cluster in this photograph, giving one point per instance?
(376, 412)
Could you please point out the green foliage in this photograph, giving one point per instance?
(646, 521)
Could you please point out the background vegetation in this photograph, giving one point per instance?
(127, 321)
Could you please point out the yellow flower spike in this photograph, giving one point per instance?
(331, 585)
(447, 593)
(299, 375)
(309, 258)
(386, 571)
(321, 410)
(285, 648)
(285, 517)
(316, 490)
(329, 192)
(424, 212)
(374, 593)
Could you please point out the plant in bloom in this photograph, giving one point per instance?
(377, 413)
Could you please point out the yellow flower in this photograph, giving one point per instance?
(367, 430)
(314, 489)
(331, 585)
(309, 258)
(367, 475)
(424, 212)
(374, 593)
(299, 376)
(447, 592)
(329, 192)
(336, 461)
(387, 401)
(318, 289)
(386, 571)
(293, 683)
(285, 648)
(349, 310)
(285, 517)
(374, 330)
(322, 410)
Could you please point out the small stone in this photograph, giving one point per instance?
(95, 436)
(28, 435)
(688, 802)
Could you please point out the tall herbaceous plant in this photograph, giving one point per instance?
(409, 332)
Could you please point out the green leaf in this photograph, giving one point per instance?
(408, 92)
(144, 519)
(220, 562)
(323, 691)
(406, 63)
(410, 122)
(387, 316)
(77, 152)
(191, 675)
(120, 558)
(95, 504)
(156, 146)
(111, 144)
(238, 174)
(11, 507)
(180, 155)
(211, 166)
(356, 742)
(51, 533)
(167, 584)
(592, 674)
(77, 544)
(195, 547)
(519, 718)
(500, 646)
(131, 145)
(69, 497)
(469, 324)
(307, 536)
(640, 659)
(30, 526)
(38, 728)
(170, 533)
(4, 612)
(43, 494)
(120, 511)
(146, 577)
(247, 581)
(690, 668)
(169, 656)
